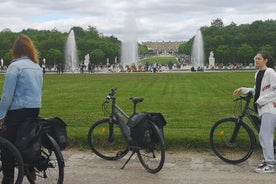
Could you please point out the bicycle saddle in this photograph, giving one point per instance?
(136, 100)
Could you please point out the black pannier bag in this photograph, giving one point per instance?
(28, 140)
(56, 129)
(140, 127)
(158, 119)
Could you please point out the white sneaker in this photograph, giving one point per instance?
(265, 168)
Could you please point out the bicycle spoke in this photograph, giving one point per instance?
(152, 156)
(12, 164)
(107, 141)
(50, 167)
(231, 142)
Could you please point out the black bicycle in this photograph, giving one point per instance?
(113, 137)
(15, 161)
(232, 139)
(49, 168)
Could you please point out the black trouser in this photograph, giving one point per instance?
(13, 121)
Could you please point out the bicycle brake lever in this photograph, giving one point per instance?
(107, 99)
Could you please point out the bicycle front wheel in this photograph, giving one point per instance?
(106, 140)
(231, 140)
(152, 155)
(11, 164)
(50, 167)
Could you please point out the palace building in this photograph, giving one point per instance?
(163, 47)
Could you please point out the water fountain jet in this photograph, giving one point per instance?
(198, 56)
(71, 57)
(129, 53)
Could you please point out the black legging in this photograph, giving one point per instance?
(13, 121)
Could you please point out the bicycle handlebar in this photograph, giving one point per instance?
(113, 91)
(110, 95)
(246, 97)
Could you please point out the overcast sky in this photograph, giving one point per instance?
(156, 20)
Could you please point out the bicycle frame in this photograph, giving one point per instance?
(116, 107)
(245, 112)
(116, 113)
(117, 132)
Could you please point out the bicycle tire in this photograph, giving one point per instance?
(235, 151)
(106, 140)
(50, 167)
(17, 162)
(152, 155)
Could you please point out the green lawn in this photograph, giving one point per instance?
(160, 60)
(190, 102)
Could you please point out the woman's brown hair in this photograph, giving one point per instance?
(266, 55)
(24, 46)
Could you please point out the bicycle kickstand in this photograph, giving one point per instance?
(133, 152)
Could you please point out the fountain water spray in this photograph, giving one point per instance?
(71, 57)
(198, 56)
(129, 42)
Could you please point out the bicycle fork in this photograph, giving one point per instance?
(236, 131)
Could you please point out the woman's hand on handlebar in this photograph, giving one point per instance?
(236, 91)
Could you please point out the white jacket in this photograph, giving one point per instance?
(267, 99)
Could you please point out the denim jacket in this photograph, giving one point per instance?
(22, 87)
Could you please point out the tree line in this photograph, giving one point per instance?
(235, 44)
(51, 45)
(230, 44)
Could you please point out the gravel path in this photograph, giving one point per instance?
(84, 167)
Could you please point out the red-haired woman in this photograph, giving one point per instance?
(21, 97)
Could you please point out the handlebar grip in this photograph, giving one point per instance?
(247, 97)
(110, 95)
(107, 99)
(113, 91)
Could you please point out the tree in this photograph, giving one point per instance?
(79, 32)
(245, 52)
(54, 56)
(92, 32)
(268, 48)
(6, 30)
(185, 48)
(222, 53)
(98, 56)
(217, 23)
(143, 50)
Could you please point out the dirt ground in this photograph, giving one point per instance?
(83, 167)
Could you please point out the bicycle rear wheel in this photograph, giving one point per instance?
(152, 155)
(50, 167)
(106, 140)
(15, 164)
(232, 141)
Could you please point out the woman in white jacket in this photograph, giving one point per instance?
(264, 93)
